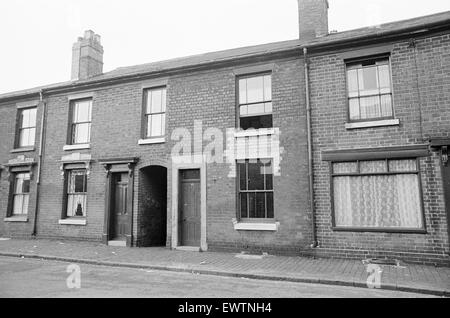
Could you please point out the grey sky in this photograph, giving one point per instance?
(37, 36)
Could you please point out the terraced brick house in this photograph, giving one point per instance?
(174, 153)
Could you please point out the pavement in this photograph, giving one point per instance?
(352, 273)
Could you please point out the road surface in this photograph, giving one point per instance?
(21, 277)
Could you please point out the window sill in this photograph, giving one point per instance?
(76, 147)
(372, 124)
(380, 230)
(17, 219)
(152, 141)
(23, 149)
(249, 226)
(255, 132)
(72, 222)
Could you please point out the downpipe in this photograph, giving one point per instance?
(310, 151)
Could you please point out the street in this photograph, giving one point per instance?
(21, 277)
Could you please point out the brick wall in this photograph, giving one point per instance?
(421, 102)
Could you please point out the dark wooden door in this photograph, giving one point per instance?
(120, 213)
(189, 214)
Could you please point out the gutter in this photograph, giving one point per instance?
(39, 167)
(310, 152)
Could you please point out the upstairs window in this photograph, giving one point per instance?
(80, 130)
(255, 102)
(27, 127)
(21, 194)
(370, 90)
(155, 113)
(76, 193)
(255, 189)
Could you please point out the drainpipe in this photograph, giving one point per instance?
(310, 152)
(39, 167)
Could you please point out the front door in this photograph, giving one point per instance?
(189, 208)
(120, 214)
(446, 179)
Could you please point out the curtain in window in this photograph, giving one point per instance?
(378, 201)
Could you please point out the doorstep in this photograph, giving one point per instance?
(117, 243)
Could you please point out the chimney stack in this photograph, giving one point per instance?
(313, 18)
(87, 56)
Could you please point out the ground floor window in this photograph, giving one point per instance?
(255, 189)
(384, 194)
(21, 195)
(76, 193)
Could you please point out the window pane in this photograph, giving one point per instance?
(18, 204)
(255, 91)
(402, 165)
(368, 79)
(384, 75)
(255, 176)
(345, 167)
(242, 176)
(82, 111)
(269, 200)
(80, 183)
(26, 137)
(260, 205)
(26, 199)
(19, 183)
(252, 205)
(256, 109)
(156, 101)
(76, 205)
(370, 107)
(267, 87)
(156, 125)
(391, 201)
(164, 100)
(243, 91)
(354, 108)
(243, 204)
(372, 166)
(352, 80)
(386, 105)
(268, 173)
(256, 122)
(163, 124)
(26, 186)
(82, 133)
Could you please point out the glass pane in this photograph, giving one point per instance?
(163, 124)
(26, 199)
(26, 137)
(267, 87)
(390, 201)
(255, 176)
(370, 107)
(252, 205)
(260, 205)
(268, 173)
(243, 110)
(256, 122)
(368, 79)
(345, 167)
(354, 108)
(156, 129)
(82, 111)
(80, 183)
(19, 183)
(148, 108)
(384, 75)
(243, 205)
(76, 205)
(243, 91)
(372, 166)
(156, 101)
(269, 200)
(386, 106)
(242, 176)
(18, 204)
(26, 186)
(193, 174)
(402, 165)
(352, 80)
(255, 91)
(256, 109)
(81, 134)
(25, 118)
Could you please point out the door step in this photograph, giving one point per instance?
(188, 248)
(117, 243)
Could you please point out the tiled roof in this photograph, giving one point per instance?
(232, 54)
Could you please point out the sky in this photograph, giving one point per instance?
(37, 35)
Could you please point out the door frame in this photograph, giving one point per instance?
(188, 163)
(112, 166)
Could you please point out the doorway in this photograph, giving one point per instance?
(119, 213)
(189, 208)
